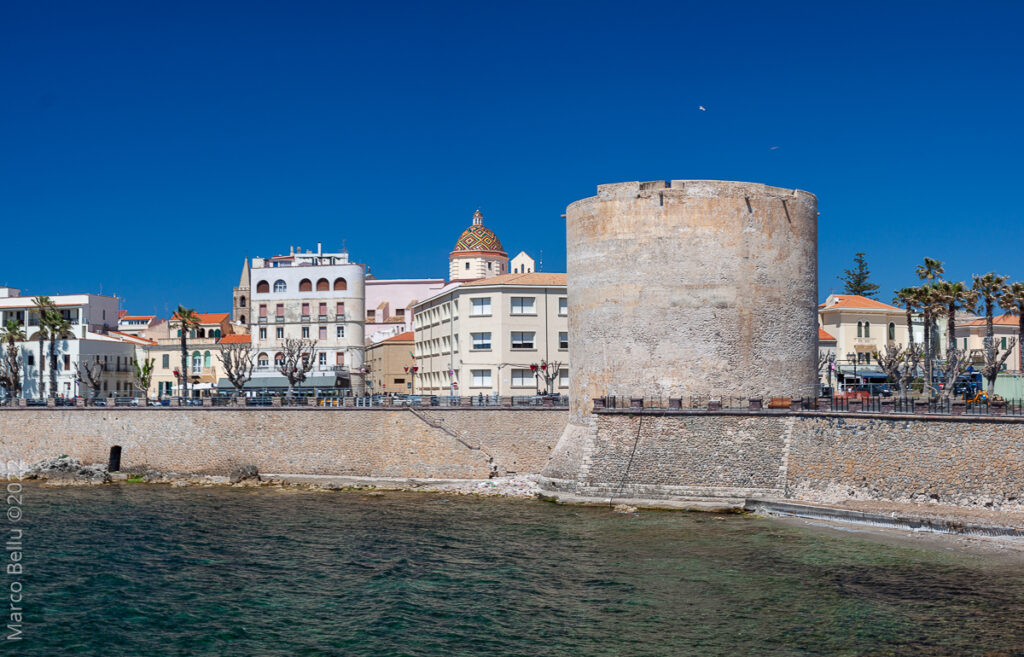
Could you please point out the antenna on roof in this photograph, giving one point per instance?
(344, 249)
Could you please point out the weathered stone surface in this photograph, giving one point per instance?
(216, 441)
(245, 473)
(68, 471)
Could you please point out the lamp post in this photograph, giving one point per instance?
(852, 357)
(411, 370)
(547, 372)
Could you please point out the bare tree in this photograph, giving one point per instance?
(298, 359)
(957, 361)
(90, 373)
(900, 364)
(989, 290)
(239, 360)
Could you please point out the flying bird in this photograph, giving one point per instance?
(774, 148)
(702, 108)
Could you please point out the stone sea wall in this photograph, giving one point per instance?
(808, 456)
(442, 444)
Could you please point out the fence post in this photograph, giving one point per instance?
(958, 407)
(888, 405)
(275, 401)
(855, 405)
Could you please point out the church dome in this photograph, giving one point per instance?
(478, 238)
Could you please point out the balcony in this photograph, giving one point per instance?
(279, 319)
(321, 318)
(304, 319)
(864, 342)
(263, 319)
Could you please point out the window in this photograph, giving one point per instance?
(323, 333)
(31, 359)
(340, 284)
(563, 378)
(197, 361)
(860, 329)
(278, 359)
(305, 331)
(263, 361)
(263, 333)
(323, 358)
(563, 305)
(280, 332)
(523, 306)
(1002, 343)
(400, 312)
(67, 362)
(340, 331)
(481, 306)
(341, 309)
(305, 285)
(563, 339)
(467, 265)
(522, 379)
(481, 378)
(339, 357)
(892, 330)
(280, 286)
(965, 344)
(241, 302)
(481, 340)
(263, 310)
(322, 285)
(867, 329)
(402, 380)
(522, 339)
(489, 266)
(305, 310)
(323, 310)
(166, 361)
(206, 359)
(280, 310)
(216, 333)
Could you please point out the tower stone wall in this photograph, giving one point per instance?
(688, 288)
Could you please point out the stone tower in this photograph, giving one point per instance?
(477, 254)
(690, 289)
(240, 298)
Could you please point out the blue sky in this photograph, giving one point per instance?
(146, 148)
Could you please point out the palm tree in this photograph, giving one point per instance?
(189, 321)
(989, 290)
(1013, 301)
(954, 296)
(44, 305)
(930, 301)
(58, 328)
(930, 271)
(907, 297)
(10, 335)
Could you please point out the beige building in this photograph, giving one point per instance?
(970, 336)
(494, 336)
(860, 327)
(390, 365)
(204, 368)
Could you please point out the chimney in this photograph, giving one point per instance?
(319, 248)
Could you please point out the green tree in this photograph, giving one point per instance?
(189, 322)
(142, 374)
(907, 297)
(855, 281)
(931, 271)
(10, 372)
(57, 328)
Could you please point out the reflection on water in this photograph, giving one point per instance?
(147, 570)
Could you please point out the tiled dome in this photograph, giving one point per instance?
(479, 238)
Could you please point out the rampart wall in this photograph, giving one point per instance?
(444, 444)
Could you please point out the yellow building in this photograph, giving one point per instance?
(861, 327)
(390, 365)
(970, 336)
(203, 365)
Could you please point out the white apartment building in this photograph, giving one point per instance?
(315, 295)
(494, 336)
(91, 317)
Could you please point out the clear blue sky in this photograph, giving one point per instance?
(148, 147)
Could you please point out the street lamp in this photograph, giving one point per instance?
(412, 369)
(547, 372)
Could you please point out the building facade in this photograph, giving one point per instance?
(390, 365)
(203, 367)
(389, 304)
(313, 295)
(970, 336)
(505, 335)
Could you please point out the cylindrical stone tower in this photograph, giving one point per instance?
(688, 288)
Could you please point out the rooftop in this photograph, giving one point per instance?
(401, 337)
(532, 278)
(236, 338)
(825, 336)
(207, 318)
(857, 301)
(1006, 319)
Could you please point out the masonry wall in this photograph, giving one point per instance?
(355, 442)
(808, 456)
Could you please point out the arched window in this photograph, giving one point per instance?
(322, 285)
(197, 361)
(278, 358)
(206, 359)
(892, 330)
(305, 285)
(262, 360)
(867, 329)
(216, 333)
(263, 287)
(860, 329)
(202, 332)
(241, 318)
(241, 302)
(280, 286)
(340, 284)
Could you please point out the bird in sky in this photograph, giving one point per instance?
(702, 108)
(774, 148)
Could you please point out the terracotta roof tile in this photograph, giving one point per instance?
(825, 336)
(236, 338)
(401, 337)
(855, 301)
(533, 278)
(1006, 319)
(207, 318)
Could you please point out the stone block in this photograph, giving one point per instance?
(755, 403)
(636, 403)
(714, 404)
(675, 403)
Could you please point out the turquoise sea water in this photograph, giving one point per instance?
(151, 570)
